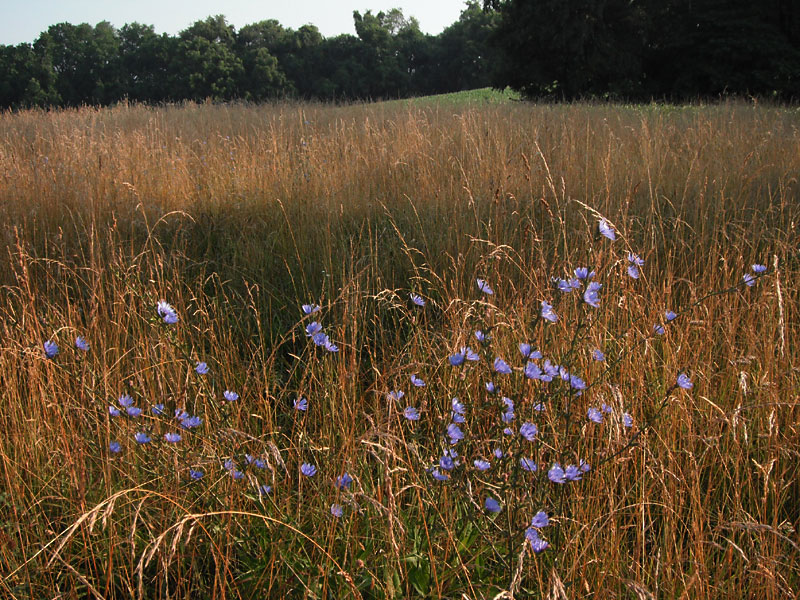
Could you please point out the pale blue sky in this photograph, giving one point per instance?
(23, 21)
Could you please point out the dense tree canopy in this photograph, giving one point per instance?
(557, 49)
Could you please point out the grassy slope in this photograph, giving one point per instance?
(238, 215)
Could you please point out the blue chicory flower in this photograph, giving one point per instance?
(547, 312)
(492, 505)
(417, 381)
(529, 431)
(310, 309)
(605, 229)
(337, 510)
(685, 382)
(595, 415)
(627, 420)
(230, 396)
(308, 469)
(300, 403)
(416, 299)
(50, 349)
(411, 413)
(201, 368)
(481, 465)
(540, 520)
(590, 295)
(556, 474)
(196, 474)
(172, 438)
(484, 287)
(598, 355)
(166, 312)
(81, 344)
(313, 328)
(114, 447)
(141, 437)
(344, 481)
(501, 366)
(528, 464)
(157, 409)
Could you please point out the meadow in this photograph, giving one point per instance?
(312, 351)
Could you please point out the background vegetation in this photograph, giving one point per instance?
(237, 215)
(633, 50)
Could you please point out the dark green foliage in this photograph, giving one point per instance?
(635, 50)
(646, 49)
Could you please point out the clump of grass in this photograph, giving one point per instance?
(388, 228)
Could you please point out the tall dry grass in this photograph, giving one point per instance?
(237, 215)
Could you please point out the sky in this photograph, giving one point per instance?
(24, 21)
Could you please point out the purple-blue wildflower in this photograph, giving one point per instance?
(236, 474)
(157, 410)
(50, 349)
(301, 404)
(411, 413)
(313, 328)
(201, 368)
(337, 510)
(396, 395)
(537, 544)
(508, 431)
(484, 287)
(598, 355)
(577, 383)
(446, 463)
(172, 438)
(605, 229)
(572, 473)
(417, 299)
(540, 519)
(196, 474)
(133, 411)
(454, 433)
(81, 344)
(749, 279)
(606, 408)
(501, 366)
(684, 381)
(529, 431)
(547, 312)
(230, 396)
(141, 437)
(627, 420)
(529, 352)
(590, 294)
(532, 371)
(166, 312)
(481, 336)
(528, 464)
(264, 490)
(556, 474)
(344, 481)
(114, 447)
(583, 273)
(310, 309)
(634, 262)
(320, 339)
(492, 505)
(658, 329)
(439, 476)
(330, 346)
(670, 315)
(498, 453)
(125, 400)
(113, 411)
(456, 359)
(470, 354)
(482, 465)
(458, 411)
(308, 469)
(190, 422)
(490, 387)
(417, 381)
(759, 268)
(594, 415)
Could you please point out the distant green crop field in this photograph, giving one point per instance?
(485, 95)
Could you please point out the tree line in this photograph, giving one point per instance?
(559, 49)
(390, 57)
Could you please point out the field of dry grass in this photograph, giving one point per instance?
(238, 215)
